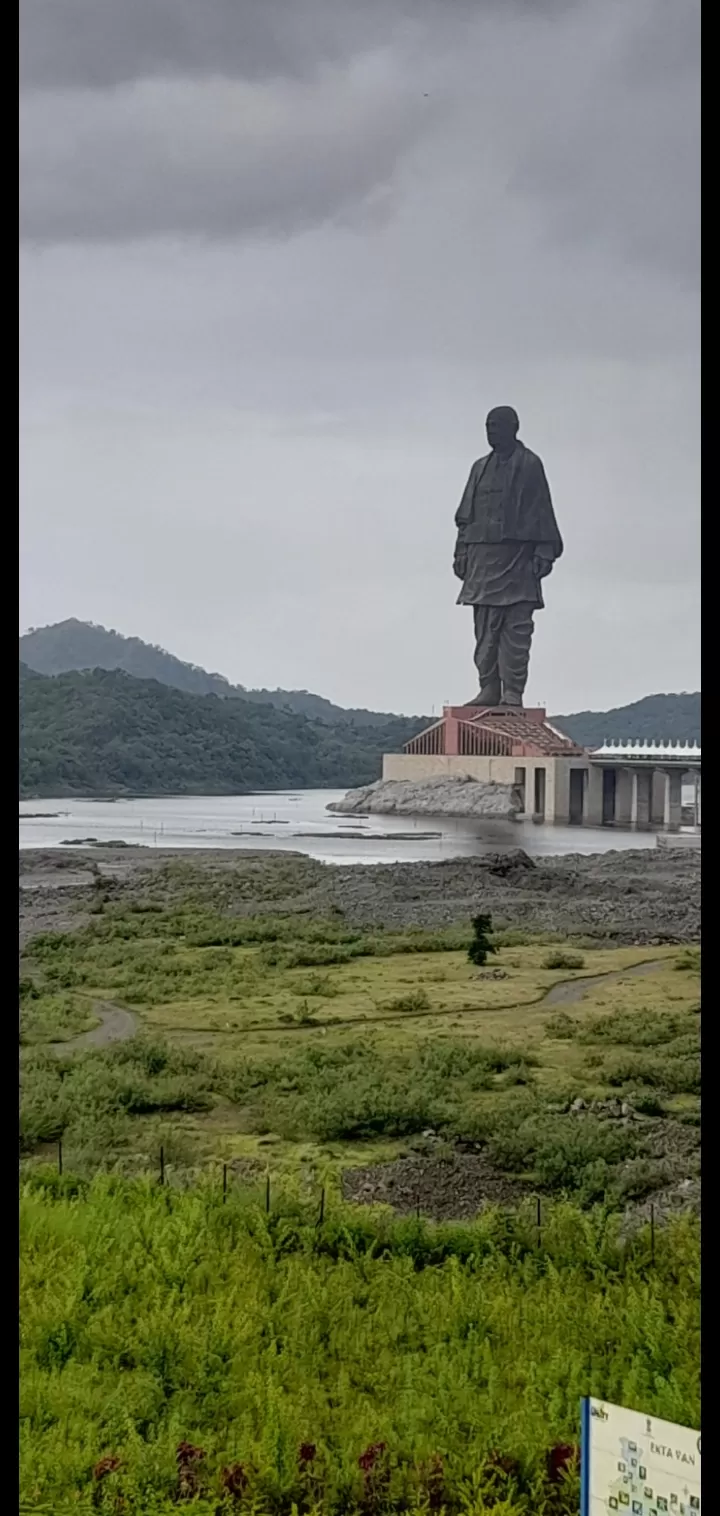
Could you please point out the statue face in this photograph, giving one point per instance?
(502, 429)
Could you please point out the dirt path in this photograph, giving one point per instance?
(572, 990)
(116, 1025)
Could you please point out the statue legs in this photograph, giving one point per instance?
(503, 634)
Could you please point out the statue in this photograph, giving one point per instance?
(507, 543)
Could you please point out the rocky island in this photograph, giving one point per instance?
(459, 795)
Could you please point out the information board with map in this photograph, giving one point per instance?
(637, 1465)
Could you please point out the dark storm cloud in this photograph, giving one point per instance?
(99, 43)
(166, 117)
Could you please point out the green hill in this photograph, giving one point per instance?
(106, 733)
(75, 645)
(119, 716)
(673, 717)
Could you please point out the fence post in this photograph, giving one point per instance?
(60, 1157)
(539, 1222)
(224, 1183)
(321, 1217)
(162, 1165)
(652, 1233)
(267, 1194)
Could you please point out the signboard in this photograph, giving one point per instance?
(637, 1465)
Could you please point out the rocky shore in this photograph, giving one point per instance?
(647, 896)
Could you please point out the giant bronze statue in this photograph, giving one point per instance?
(507, 543)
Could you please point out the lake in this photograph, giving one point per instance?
(297, 820)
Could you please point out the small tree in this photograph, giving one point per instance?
(481, 943)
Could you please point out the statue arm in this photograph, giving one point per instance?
(463, 516)
(545, 553)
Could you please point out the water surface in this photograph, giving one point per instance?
(297, 820)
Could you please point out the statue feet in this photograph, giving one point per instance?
(489, 695)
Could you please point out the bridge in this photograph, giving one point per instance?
(639, 784)
(629, 784)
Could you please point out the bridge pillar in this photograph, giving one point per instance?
(623, 797)
(672, 812)
(641, 798)
(593, 815)
(659, 790)
(696, 799)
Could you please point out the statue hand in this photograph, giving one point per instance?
(542, 567)
(460, 565)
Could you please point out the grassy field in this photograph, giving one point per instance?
(320, 1356)
(308, 1044)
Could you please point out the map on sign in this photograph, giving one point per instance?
(637, 1465)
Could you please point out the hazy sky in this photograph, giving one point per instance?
(279, 257)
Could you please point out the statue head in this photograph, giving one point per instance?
(502, 428)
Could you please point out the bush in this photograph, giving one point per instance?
(562, 1027)
(560, 958)
(415, 1000)
(677, 1076)
(561, 1154)
(688, 961)
(638, 1028)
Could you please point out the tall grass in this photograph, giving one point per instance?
(152, 1319)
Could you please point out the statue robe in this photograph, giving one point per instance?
(506, 531)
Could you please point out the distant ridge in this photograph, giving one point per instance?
(107, 714)
(673, 717)
(76, 645)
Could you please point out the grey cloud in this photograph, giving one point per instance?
(235, 443)
(215, 158)
(614, 157)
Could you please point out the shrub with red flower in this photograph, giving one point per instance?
(187, 1456)
(234, 1480)
(106, 1466)
(560, 1460)
(376, 1474)
(435, 1482)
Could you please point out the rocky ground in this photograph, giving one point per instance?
(649, 896)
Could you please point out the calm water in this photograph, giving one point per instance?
(297, 820)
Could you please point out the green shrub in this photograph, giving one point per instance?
(677, 1076)
(572, 1155)
(688, 961)
(638, 1028)
(415, 1000)
(561, 958)
(562, 1026)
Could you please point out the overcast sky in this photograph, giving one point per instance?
(279, 258)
